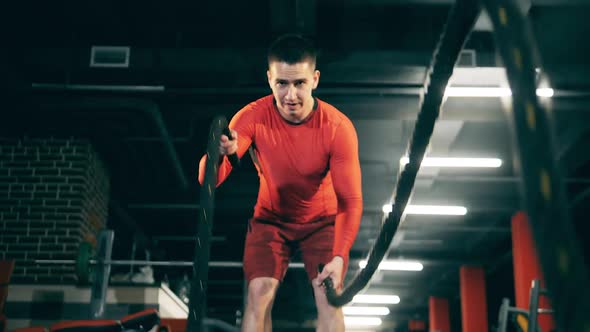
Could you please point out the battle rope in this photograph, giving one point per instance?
(559, 248)
(461, 19)
(198, 292)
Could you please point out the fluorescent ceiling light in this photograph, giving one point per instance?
(477, 92)
(489, 92)
(545, 92)
(456, 162)
(447, 210)
(376, 299)
(387, 208)
(436, 209)
(362, 321)
(397, 265)
(365, 311)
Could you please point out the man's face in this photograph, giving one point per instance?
(292, 85)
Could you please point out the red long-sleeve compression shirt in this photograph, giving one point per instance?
(307, 171)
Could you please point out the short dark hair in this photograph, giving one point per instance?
(292, 48)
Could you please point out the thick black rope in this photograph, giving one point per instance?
(461, 19)
(198, 293)
(558, 246)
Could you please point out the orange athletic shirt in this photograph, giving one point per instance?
(308, 171)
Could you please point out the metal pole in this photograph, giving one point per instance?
(534, 305)
(102, 273)
(503, 315)
(133, 249)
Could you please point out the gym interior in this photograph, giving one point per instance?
(473, 123)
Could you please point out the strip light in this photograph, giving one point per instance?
(456, 162)
(446, 210)
(376, 299)
(365, 311)
(490, 92)
(362, 321)
(397, 265)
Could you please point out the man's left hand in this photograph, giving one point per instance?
(332, 270)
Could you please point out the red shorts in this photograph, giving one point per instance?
(270, 245)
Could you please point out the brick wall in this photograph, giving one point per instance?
(53, 195)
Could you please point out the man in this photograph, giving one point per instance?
(306, 154)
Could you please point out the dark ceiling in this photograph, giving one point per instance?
(190, 61)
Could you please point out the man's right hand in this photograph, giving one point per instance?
(227, 146)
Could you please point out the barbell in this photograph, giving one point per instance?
(84, 262)
(115, 262)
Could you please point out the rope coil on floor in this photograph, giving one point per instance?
(460, 21)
